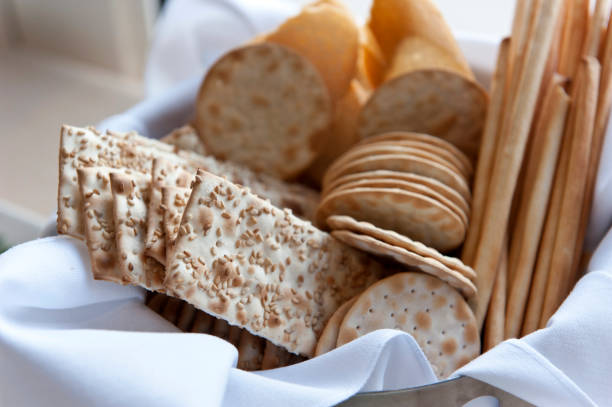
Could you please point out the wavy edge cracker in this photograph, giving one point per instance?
(239, 258)
(266, 107)
(416, 188)
(434, 313)
(329, 336)
(130, 197)
(442, 189)
(402, 163)
(320, 30)
(423, 218)
(396, 239)
(405, 257)
(164, 173)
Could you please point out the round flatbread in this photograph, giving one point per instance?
(395, 239)
(403, 163)
(414, 215)
(264, 106)
(411, 187)
(427, 265)
(393, 136)
(430, 310)
(329, 336)
(371, 150)
(434, 184)
(435, 102)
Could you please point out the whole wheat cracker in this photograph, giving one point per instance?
(186, 317)
(172, 310)
(422, 218)
(396, 239)
(403, 163)
(274, 357)
(408, 136)
(203, 323)
(266, 107)
(164, 173)
(417, 188)
(97, 201)
(130, 197)
(374, 149)
(185, 138)
(427, 265)
(239, 258)
(434, 102)
(429, 182)
(431, 311)
(329, 336)
(86, 147)
(156, 301)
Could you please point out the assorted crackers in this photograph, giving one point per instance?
(324, 188)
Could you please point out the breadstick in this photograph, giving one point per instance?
(532, 212)
(494, 328)
(604, 103)
(596, 24)
(487, 150)
(508, 164)
(569, 214)
(574, 34)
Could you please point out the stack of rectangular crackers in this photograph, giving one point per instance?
(156, 216)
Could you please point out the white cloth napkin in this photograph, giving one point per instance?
(68, 340)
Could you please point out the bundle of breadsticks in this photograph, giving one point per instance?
(540, 150)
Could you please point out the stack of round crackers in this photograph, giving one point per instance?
(414, 184)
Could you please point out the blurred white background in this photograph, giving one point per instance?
(79, 61)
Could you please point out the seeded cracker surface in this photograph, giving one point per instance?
(86, 147)
(241, 259)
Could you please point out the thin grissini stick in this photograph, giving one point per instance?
(574, 34)
(604, 104)
(508, 164)
(519, 23)
(575, 185)
(532, 212)
(531, 319)
(487, 151)
(596, 24)
(494, 326)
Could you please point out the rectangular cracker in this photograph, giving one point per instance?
(174, 200)
(239, 258)
(97, 196)
(185, 138)
(86, 147)
(130, 196)
(165, 172)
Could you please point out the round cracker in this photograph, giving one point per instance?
(395, 239)
(433, 312)
(414, 215)
(403, 163)
(411, 187)
(371, 150)
(264, 106)
(393, 136)
(427, 265)
(434, 184)
(329, 336)
(436, 102)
